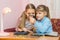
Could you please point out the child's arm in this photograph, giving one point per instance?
(18, 29)
(43, 27)
(26, 30)
(17, 24)
(32, 20)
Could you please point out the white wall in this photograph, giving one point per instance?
(40, 2)
(55, 9)
(17, 7)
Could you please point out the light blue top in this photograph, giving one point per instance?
(43, 26)
(28, 25)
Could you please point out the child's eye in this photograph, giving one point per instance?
(39, 13)
(32, 13)
(28, 13)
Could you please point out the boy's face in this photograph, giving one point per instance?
(30, 12)
(40, 15)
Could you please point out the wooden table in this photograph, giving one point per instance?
(25, 37)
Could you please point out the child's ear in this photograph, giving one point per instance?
(45, 13)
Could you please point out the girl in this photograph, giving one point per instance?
(43, 24)
(43, 21)
(25, 24)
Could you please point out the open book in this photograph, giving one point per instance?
(46, 34)
(37, 34)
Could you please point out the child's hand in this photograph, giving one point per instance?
(32, 20)
(30, 32)
(19, 29)
(24, 29)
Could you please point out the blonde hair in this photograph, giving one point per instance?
(44, 8)
(22, 23)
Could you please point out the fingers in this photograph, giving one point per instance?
(24, 29)
(19, 30)
(32, 20)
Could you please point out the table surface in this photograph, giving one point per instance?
(25, 37)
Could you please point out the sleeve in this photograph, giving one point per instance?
(46, 26)
(37, 26)
(43, 27)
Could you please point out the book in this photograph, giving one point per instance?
(55, 34)
(20, 33)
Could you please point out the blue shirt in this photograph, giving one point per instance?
(43, 26)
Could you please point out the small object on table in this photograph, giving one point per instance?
(20, 33)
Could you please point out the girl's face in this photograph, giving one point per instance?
(30, 12)
(40, 15)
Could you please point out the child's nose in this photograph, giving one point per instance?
(37, 15)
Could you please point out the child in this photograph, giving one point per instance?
(25, 24)
(43, 24)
